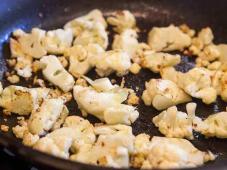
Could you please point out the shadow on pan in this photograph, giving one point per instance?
(49, 14)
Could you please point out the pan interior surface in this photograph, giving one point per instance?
(50, 14)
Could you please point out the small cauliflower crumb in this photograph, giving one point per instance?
(11, 62)
(133, 99)
(6, 112)
(81, 82)
(13, 79)
(37, 65)
(135, 68)
(4, 128)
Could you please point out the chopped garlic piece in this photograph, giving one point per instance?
(174, 123)
(168, 39)
(155, 61)
(22, 100)
(56, 74)
(122, 20)
(43, 118)
(163, 94)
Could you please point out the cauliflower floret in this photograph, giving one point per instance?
(163, 94)
(122, 20)
(112, 61)
(175, 153)
(22, 100)
(56, 74)
(43, 118)
(167, 153)
(199, 43)
(96, 35)
(126, 41)
(56, 41)
(80, 56)
(28, 44)
(86, 22)
(213, 126)
(157, 61)
(76, 131)
(168, 39)
(105, 105)
(197, 82)
(174, 123)
(112, 148)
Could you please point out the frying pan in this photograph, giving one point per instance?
(49, 14)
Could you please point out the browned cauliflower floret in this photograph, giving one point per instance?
(168, 39)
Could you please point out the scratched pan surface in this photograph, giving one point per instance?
(50, 14)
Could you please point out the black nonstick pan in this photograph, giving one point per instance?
(49, 14)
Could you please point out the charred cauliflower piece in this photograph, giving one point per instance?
(155, 61)
(80, 58)
(213, 126)
(105, 104)
(126, 41)
(174, 123)
(167, 153)
(60, 141)
(122, 20)
(22, 100)
(56, 74)
(168, 39)
(112, 148)
(28, 44)
(86, 22)
(57, 41)
(197, 82)
(43, 118)
(112, 61)
(162, 94)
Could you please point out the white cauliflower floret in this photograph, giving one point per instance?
(163, 94)
(196, 82)
(174, 123)
(57, 41)
(126, 41)
(86, 22)
(213, 126)
(175, 153)
(96, 35)
(75, 134)
(112, 148)
(22, 100)
(56, 74)
(155, 61)
(122, 20)
(105, 105)
(168, 39)
(112, 61)
(43, 118)
(28, 44)
(80, 56)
